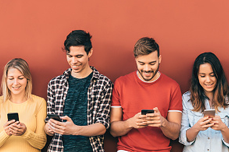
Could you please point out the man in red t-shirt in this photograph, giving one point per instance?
(146, 88)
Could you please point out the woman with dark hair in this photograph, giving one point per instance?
(201, 130)
(25, 132)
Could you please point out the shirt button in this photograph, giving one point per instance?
(208, 137)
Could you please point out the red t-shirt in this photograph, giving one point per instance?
(133, 95)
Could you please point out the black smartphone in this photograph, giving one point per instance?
(12, 116)
(54, 116)
(145, 111)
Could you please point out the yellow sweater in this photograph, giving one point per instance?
(32, 113)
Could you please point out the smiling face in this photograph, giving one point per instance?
(78, 60)
(148, 66)
(207, 78)
(16, 82)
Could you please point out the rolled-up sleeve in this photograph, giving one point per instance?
(224, 142)
(103, 115)
(50, 100)
(185, 125)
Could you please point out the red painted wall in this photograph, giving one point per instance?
(36, 30)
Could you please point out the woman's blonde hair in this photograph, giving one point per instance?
(22, 66)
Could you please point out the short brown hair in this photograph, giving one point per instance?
(145, 46)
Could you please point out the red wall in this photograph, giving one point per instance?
(35, 31)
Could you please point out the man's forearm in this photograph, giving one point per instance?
(170, 129)
(120, 128)
(90, 130)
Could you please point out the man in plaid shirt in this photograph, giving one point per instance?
(81, 96)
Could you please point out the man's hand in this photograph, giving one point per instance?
(63, 128)
(138, 121)
(48, 128)
(17, 128)
(155, 119)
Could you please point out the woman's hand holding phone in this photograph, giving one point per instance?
(216, 120)
(13, 126)
(7, 127)
(203, 124)
(18, 128)
(218, 124)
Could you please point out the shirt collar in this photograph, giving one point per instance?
(148, 81)
(95, 75)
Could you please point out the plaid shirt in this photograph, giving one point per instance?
(98, 107)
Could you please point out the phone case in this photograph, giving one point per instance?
(145, 111)
(53, 116)
(12, 116)
(210, 112)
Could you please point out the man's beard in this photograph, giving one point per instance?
(154, 73)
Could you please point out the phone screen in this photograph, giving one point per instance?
(12, 116)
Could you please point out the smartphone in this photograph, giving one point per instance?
(12, 116)
(209, 112)
(54, 116)
(145, 111)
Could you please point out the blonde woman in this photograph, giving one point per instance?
(27, 134)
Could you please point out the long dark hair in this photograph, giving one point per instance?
(221, 90)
